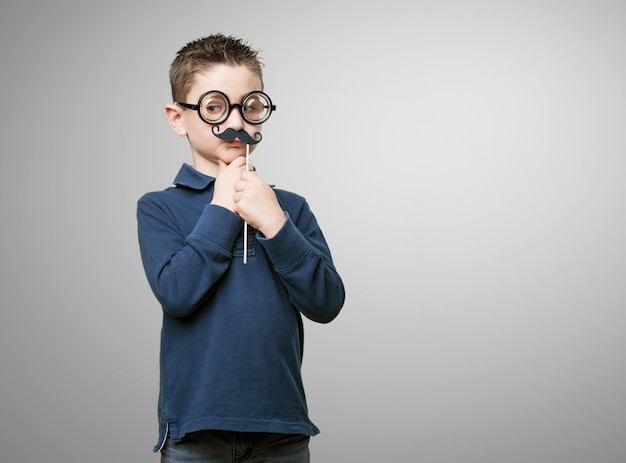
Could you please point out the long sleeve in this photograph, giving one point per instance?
(183, 268)
(302, 259)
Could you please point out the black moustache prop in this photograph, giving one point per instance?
(230, 134)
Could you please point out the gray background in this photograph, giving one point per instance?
(465, 159)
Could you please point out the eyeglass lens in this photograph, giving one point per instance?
(215, 107)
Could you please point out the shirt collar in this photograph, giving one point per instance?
(190, 177)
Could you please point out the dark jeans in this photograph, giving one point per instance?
(234, 447)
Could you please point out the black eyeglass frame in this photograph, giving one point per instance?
(197, 107)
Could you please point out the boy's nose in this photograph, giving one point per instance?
(234, 119)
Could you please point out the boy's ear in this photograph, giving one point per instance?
(174, 114)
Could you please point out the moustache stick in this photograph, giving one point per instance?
(245, 224)
(228, 135)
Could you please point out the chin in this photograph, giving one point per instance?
(235, 152)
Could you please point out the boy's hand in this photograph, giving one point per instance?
(227, 175)
(256, 203)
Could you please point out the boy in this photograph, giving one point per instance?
(232, 334)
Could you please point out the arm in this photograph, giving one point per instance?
(302, 259)
(290, 235)
(183, 270)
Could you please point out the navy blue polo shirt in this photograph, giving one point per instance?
(232, 336)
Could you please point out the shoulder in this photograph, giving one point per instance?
(187, 182)
(157, 196)
(289, 199)
(156, 203)
(288, 195)
(296, 206)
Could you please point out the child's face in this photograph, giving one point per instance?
(206, 148)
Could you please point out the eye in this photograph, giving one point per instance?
(214, 108)
(253, 106)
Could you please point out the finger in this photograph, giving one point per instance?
(221, 165)
(239, 161)
(249, 175)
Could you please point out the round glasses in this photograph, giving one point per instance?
(214, 107)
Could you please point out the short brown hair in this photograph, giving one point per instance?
(204, 53)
